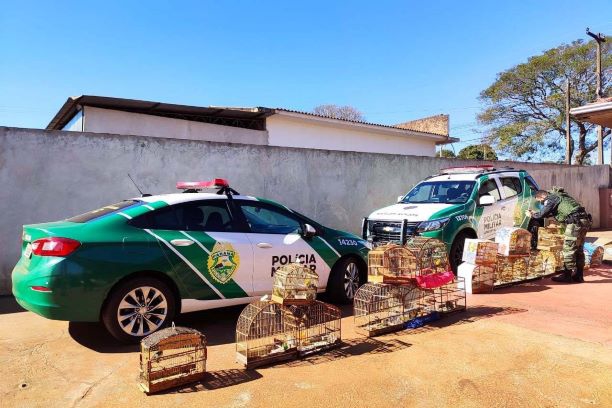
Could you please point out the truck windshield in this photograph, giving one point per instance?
(445, 192)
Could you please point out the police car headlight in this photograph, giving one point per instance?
(433, 225)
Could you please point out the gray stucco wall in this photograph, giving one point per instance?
(48, 176)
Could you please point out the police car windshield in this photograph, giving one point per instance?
(441, 192)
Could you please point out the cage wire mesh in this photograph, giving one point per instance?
(593, 254)
(171, 357)
(450, 297)
(430, 254)
(552, 261)
(550, 238)
(263, 335)
(294, 284)
(513, 241)
(380, 308)
(483, 278)
(512, 268)
(376, 266)
(535, 267)
(317, 326)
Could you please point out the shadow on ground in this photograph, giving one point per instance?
(215, 380)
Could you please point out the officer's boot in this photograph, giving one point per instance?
(565, 276)
(579, 275)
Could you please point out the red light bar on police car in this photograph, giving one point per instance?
(199, 185)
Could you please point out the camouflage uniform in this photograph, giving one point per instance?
(566, 210)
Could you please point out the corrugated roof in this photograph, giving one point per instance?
(251, 118)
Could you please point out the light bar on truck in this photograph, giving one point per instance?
(468, 169)
(200, 185)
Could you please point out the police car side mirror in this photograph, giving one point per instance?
(308, 231)
(486, 199)
(400, 198)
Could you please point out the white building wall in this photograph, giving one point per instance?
(292, 131)
(98, 120)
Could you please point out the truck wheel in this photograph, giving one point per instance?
(137, 308)
(456, 251)
(344, 280)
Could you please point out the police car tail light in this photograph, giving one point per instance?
(54, 246)
(199, 185)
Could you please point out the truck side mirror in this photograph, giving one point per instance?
(400, 198)
(308, 231)
(486, 199)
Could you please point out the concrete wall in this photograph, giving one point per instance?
(99, 120)
(305, 132)
(48, 176)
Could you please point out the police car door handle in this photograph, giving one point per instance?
(181, 242)
(264, 245)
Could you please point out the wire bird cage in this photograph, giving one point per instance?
(380, 308)
(376, 266)
(511, 268)
(483, 278)
(430, 254)
(550, 239)
(263, 335)
(513, 241)
(450, 297)
(171, 357)
(295, 284)
(479, 252)
(317, 326)
(593, 254)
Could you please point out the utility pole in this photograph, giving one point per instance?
(568, 132)
(599, 38)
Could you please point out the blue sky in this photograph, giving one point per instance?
(395, 61)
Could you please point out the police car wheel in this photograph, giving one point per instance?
(138, 308)
(456, 252)
(344, 280)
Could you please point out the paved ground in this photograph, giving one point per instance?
(535, 345)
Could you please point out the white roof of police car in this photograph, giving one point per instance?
(469, 176)
(177, 198)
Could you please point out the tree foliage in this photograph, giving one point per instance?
(345, 112)
(447, 153)
(525, 107)
(477, 152)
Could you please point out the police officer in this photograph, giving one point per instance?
(566, 210)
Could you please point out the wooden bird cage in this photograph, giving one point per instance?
(380, 308)
(593, 254)
(450, 297)
(294, 284)
(263, 335)
(400, 265)
(483, 278)
(317, 326)
(535, 267)
(171, 357)
(513, 241)
(376, 266)
(479, 252)
(552, 261)
(549, 239)
(512, 268)
(430, 255)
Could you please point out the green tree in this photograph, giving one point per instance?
(525, 107)
(447, 153)
(339, 112)
(477, 152)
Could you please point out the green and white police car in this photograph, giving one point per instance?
(136, 264)
(458, 203)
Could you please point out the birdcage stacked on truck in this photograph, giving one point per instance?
(550, 246)
(405, 282)
(171, 357)
(513, 253)
(291, 324)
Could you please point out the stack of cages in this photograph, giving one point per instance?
(263, 336)
(292, 324)
(535, 267)
(170, 358)
(514, 250)
(380, 308)
(317, 326)
(479, 264)
(376, 265)
(550, 246)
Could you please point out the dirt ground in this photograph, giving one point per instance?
(539, 344)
